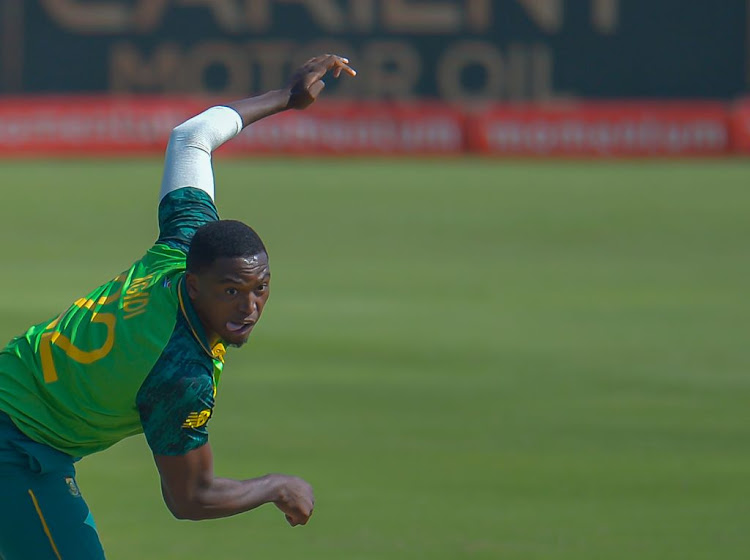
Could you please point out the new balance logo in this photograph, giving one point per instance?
(197, 419)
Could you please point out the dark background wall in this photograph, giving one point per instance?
(449, 49)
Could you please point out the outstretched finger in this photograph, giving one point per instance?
(337, 64)
(342, 64)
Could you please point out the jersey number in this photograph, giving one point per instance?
(76, 354)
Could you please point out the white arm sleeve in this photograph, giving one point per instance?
(188, 159)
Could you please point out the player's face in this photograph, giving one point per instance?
(229, 296)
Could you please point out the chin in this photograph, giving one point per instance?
(236, 342)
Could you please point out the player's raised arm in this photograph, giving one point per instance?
(188, 158)
(187, 163)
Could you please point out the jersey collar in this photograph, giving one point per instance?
(216, 351)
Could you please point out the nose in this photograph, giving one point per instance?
(249, 305)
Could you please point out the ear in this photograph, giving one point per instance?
(192, 283)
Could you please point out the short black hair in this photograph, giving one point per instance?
(223, 238)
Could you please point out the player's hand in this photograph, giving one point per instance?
(307, 81)
(295, 499)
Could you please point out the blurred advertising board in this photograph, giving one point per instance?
(602, 129)
(455, 50)
(133, 125)
(141, 125)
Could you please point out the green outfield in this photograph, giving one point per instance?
(467, 359)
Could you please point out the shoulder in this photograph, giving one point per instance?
(181, 213)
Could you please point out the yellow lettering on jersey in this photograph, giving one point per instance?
(133, 305)
(136, 297)
(197, 419)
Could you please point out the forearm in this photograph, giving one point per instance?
(223, 497)
(255, 108)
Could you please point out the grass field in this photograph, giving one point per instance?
(467, 359)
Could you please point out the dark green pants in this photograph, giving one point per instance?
(43, 515)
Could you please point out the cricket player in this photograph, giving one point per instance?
(144, 353)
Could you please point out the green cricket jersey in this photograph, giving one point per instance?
(127, 358)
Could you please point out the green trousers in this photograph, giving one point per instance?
(42, 513)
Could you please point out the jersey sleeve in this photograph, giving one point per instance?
(175, 409)
(181, 213)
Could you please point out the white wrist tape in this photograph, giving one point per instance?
(188, 159)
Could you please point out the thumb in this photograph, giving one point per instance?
(316, 88)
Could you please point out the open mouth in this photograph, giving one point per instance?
(240, 328)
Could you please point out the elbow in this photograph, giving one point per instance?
(185, 515)
(188, 135)
(188, 511)
(180, 511)
(186, 507)
(178, 134)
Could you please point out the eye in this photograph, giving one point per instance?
(262, 288)
(231, 291)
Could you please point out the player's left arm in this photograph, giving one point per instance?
(175, 406)
(191, 491)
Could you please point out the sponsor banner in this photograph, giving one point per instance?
(141, 125)
(453, 50)
(602, 129)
